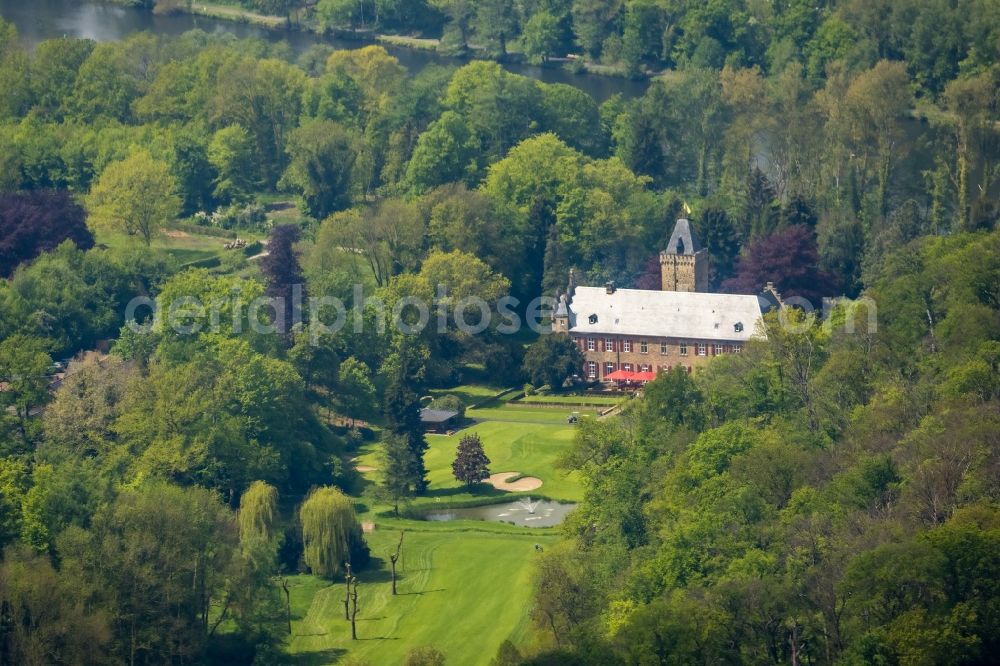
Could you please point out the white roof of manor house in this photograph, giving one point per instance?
(671, 314)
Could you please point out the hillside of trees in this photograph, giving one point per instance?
(827, 497)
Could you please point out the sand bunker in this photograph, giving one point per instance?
(364, 468)
(500, 482)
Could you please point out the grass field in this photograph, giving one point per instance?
(529, 448)
(469, 394)
(183, 246)
(461, 592)
(605, 400)
(512, 413)
(465, 585)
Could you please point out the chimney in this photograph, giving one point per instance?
(770, 290)
(609, 287)
(571, 287)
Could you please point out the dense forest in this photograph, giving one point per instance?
(937, 39)
(829, 496)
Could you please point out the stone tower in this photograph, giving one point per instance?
(684, 264)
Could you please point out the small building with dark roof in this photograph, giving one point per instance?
(438, 420)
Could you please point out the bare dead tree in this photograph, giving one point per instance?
(353, 587)
(348, 575)
(288, 603)
(394, 557)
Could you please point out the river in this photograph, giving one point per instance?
(37, 20)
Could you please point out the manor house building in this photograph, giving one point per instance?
(624, 332)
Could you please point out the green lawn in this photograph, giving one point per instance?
(607, 400)
(469, 394)
(465, 585)
(461, 592)
(184, 246)
(529, 448)
(512, 413)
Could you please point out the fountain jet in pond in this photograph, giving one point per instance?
(528, 505)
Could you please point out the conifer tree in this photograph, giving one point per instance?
(402, 409)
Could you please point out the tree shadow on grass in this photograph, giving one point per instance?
(317, 658)
(421, 593)
(478, 490)
(376, 571)
(379, 638)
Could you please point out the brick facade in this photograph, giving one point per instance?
(626, 353)
(656, 330)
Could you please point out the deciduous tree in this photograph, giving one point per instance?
(231, 154)
(471, 464)
(37, 221)
(551, 360)
(331, 534)
(137, 196)
(787, 258)
(322, 168)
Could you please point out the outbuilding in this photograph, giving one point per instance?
(438, 420)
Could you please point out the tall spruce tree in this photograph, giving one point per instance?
(402, 411)
(397, 469)
(722, 240)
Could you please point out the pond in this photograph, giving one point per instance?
(524, 512)
(37, 20)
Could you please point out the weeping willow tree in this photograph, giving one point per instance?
(331, 534)
(258, 522)
(258, 515)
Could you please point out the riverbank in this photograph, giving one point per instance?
(112, 20)
(229, 13)
(294, 22)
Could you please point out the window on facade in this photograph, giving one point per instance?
(644, 368)
(627, 367)
(609, 344)
(643, 347)
(591, 344)
(591, 369)
(702, 349)
(663, 347)
(609, 368)
(737, 349)
(626, 345)
(683, 348)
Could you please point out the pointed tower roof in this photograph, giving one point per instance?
(562, 309)
(683, 240)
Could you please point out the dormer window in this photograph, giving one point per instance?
(592, 319)
(738, 327)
